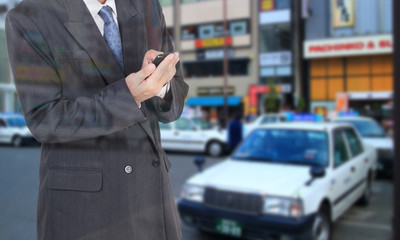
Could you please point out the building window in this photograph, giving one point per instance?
(238, 28)
(215, 30)
(214, 68)
(239, 67)
(282, 4)
(206, 31)
(189, 33)
(275, 37)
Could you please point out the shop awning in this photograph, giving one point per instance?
(217, 101)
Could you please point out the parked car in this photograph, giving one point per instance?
(373, 134)
(285, 181)
(192, 134)
(13, 130)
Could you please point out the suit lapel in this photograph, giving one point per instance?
(133, 35)
(134, 45)
(83, 28)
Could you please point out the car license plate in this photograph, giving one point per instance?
(229, 227)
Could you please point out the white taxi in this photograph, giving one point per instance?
(374, 135)
(193, 134)
(13, 129)
(285, 181)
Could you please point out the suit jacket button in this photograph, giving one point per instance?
(155, 163)
(128, 169)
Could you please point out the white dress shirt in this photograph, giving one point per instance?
(94, 7)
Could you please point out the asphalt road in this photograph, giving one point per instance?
(19, 184)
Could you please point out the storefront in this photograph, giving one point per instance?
(210, 103)
(361, 67)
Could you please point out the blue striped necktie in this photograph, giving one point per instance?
(111, 35)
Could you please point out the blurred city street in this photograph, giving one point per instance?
(19, 183)
(303, 90)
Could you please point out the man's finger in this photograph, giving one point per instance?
(176, 58)
(163, 66)
(153, 54)
(147, 71)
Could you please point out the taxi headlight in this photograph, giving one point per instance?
(283, 206)
(192, 193)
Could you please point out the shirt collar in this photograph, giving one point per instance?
(95, 6)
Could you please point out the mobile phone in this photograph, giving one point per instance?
(159, 58)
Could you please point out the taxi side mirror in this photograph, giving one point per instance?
(317, 172)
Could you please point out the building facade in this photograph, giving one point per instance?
(276, 52)
(197, 28)
(259, 49)
(349, 49)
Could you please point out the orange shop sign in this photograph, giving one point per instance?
(254, 90)
(267, 5)
(213, 42)
(342, 102)
(366, 45)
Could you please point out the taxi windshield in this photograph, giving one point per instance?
(367, 128)
(202, 124)
(286, 146)
(16, 122)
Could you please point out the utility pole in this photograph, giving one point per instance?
(225, 63)
(298, 51)
(396, 107)
(177, 24)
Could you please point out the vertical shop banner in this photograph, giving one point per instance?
(267, 5)
(342, 102)
(343, 13)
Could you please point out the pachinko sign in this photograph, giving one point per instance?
(348, 46)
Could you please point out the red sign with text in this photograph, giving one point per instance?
(349, 46)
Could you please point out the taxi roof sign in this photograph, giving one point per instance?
(304, 117)
(348, 114)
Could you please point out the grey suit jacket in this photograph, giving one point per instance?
(76, 103)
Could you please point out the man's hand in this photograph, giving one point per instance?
(149, 57)
(149, 80)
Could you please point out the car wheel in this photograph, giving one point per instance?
(214, 149)
(322, 226)
(366, 197)
(16, 141)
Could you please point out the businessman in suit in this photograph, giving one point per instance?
(91, 96)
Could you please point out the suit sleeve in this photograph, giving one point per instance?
(50, 116)
(170, 107)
